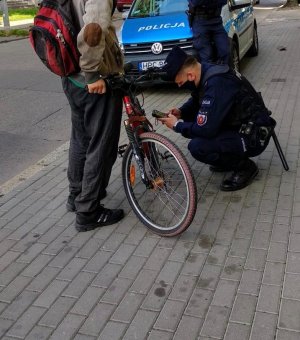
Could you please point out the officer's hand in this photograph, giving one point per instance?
(98, 87)
(169, 121)
(175, 112)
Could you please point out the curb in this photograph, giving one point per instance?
(12, 183)
(9, 39)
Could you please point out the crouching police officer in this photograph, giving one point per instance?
(225, 118)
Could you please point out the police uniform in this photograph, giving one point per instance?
(207, 27)
(213, 140)
(219, 120)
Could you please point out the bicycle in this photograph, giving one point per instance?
(157, 178)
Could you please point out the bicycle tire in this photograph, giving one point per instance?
(147, 202)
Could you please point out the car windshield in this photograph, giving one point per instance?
(151, 8)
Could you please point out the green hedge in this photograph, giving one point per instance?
(21, 13)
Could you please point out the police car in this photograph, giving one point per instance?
(153, 27)
(122, 4)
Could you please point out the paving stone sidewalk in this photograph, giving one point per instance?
(234, 274)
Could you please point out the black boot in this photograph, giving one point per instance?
(241, 177)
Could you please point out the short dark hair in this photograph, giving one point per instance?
(189, 61)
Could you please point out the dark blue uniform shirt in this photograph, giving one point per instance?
(206, 116)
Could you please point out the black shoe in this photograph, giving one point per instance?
(240, 178)
(216, 168)
(99, 218)
(70, 205)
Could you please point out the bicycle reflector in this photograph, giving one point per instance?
(132, 174)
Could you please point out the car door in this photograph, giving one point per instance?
(242, 20)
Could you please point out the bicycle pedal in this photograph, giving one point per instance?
(121, 150)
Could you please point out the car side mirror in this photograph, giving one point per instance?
(238, 4)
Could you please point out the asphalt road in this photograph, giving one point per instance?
(34, 113)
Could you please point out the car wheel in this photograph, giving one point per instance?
(120, 8)
(253, 51)
(234, 56)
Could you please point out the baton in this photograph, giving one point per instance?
(278, 147)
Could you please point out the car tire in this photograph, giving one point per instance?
(120, 9)
(253, 51)
(234, 56)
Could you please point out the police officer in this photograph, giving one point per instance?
(207, 26)
(225, 118)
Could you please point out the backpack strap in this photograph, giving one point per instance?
(69, 12)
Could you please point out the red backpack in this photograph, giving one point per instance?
(54, 37)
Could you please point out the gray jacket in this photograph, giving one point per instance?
(97, 40)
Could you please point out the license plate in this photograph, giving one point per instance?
(143, 66)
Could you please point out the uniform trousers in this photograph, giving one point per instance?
(227, 150)
(207, 31)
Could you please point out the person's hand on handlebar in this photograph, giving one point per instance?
(98, 87)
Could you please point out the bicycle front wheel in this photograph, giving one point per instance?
(168, 205)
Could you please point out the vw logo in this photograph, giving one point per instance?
(156, 48)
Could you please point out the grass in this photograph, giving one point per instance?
(21, 13)
(14, 32)
(16, 14)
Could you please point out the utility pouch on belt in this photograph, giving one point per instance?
(249, 129)
(265, 133)
(256, 134)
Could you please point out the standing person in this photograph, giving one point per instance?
(207, 26)
(225, 118)
(95, 113)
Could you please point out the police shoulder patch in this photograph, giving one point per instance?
(201, 118)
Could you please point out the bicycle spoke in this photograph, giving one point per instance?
(167, 195)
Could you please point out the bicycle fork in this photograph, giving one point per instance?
(139, 158)
(134, 126)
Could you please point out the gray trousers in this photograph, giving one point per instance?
(96, 121)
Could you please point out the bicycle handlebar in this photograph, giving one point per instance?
(152, 72)
(125, 80)
(155, 73)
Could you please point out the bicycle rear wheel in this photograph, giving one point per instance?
(169, 206)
